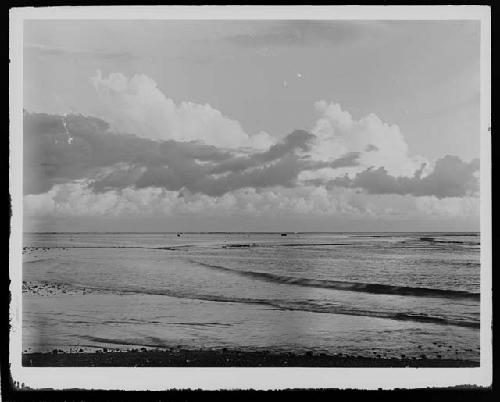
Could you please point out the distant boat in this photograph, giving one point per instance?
(283, 234)
(178, 235)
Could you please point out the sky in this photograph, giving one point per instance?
(251, 125)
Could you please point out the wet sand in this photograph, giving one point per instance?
(94, 355)
(222, 358)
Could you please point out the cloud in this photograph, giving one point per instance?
(75, 52)
(50, 158)
(157, 157)
(280, 165)
(137, 105)
(451, 177)
(303, 32)
(449, 207)
(380, 144)
(60, 149)
(116, 161)
(78, 199)
(297, 140)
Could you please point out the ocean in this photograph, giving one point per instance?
(365, 294)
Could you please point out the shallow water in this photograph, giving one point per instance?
(392, 294)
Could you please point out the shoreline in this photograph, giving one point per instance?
(224, 358)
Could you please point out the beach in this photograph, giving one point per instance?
(304, 300)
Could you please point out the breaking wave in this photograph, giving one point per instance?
(374, 288)
(308, 306)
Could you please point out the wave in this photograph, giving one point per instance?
(168, 248)
(249, 245)
(452, 263)
(374, 288)
(422, 243)
(92, 246)
(147, 341)
(462, 242)
(38, 260)
(305, 306)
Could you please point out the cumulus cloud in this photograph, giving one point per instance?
(451, 177)
(78, 199)
(381, 144)
(50, 158)
(449, 207)
(116, 161)
(278, 166)
(137, 105)
(152, 156)
(298, 140)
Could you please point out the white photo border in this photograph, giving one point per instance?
(99, 378)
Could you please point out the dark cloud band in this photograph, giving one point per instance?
(451, 177)
(59, 149)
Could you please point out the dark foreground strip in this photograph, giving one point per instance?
(227, 358)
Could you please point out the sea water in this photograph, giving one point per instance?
(376, 294)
